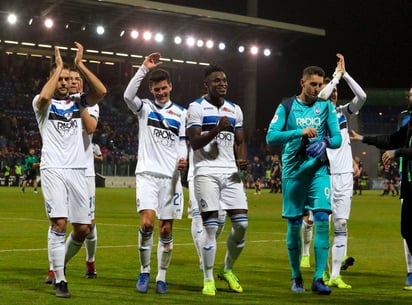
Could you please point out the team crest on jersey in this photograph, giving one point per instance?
(225, 109)
(171, 112)
(68, 115)
(275, 118)
(317, 110)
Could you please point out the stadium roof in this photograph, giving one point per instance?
(77, 19)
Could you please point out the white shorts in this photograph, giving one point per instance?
(161, 194)
(91, 185)
(66, 194)
(342, 191)
(220, 192)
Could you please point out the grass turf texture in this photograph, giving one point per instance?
(263, 268)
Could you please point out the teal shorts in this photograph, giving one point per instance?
(309, 193)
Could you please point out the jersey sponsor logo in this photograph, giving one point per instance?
(208, 108)
(224, 138)
(70, 127)
(308, 122)
(164, 137)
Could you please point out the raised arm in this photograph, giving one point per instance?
(98, 89)
(49, 88)
(130, 94)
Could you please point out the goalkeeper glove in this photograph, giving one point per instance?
(318, 148)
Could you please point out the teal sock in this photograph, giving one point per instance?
(294, 245)
(321, 247)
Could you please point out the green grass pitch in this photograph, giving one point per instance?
(263, 269)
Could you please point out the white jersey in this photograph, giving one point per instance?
(88, 144)
(218, 155)
(60, 127)
(162, 131)
(341, 160)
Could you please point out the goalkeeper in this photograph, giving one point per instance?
(305, 130)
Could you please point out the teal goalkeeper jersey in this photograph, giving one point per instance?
(320, 115)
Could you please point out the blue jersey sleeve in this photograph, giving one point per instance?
(277, 133)
(333, 127)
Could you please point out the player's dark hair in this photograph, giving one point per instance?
(313, 70)
(158, 75)
(54, 66)
(212, 68)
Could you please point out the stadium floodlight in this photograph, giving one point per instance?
(266, 52)
(254, 50)
(122, 33)
(12, 18)
(30, 21)
(100, 30)
(147, 35)
(48, 23)
(134, 34)
(159, 37)
(83, 27)
(209, 44)
(241, 49)
(178, 40)
(200, 43)
(190, 41)
(222, 46)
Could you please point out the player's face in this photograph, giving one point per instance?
(311, 86)
(161, 91)
(63, 84)
(217, 84)
(75, 81)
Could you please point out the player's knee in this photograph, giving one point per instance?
(341, 226)
(320, 216)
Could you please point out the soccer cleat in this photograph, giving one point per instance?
(408, 282)
(297, 285)
(91, 270)
(23, 190)
(347, 262)
(50, 277)
(305, 261)
(161, 287)
(338, 282)
(231, 279)
(142, 284)
(320, 287)
(209, 288)
(62, 291)
(326, 276)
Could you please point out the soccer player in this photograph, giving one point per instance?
(398, 145)
(215, 131)
(63, 161)
(342, 172)
(162, 153)
(306, 126)
(31, 166)
(89, 118)
(403, 119)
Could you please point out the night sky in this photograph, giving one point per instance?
(374, 36)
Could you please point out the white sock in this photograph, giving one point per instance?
(197, 229)
(56, 247)
(236, 239)
(340, 241)
(207, 243)
(145, 243)
(72, 247)
(164, 256)
(307, 232)
(90, 244)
